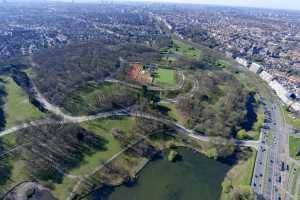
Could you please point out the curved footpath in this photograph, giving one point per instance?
(121, 112)
(152, 88)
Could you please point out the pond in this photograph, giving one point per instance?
(195, 177)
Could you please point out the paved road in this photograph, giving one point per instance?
(257, 182)
(270, 172)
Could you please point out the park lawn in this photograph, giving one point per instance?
(290, 119)
(103, 128)
(239, 177)
(294, 147)
(165, 77)
(187, 50)
(241, 174)
(296, 174)
(17, 105)
(62, 190)
(174, 114)
(17, 174)
(182, 49)
(249, 168)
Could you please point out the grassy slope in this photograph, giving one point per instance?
(63, 189)
(239, 175)
(296, 174)
(18, 171)
(295, 122)
(187, 50)
(182, 49)
(17, 107)
(103, 128)
(174, 114)
(165, 77)
(294, 147)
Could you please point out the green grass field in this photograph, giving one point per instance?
(63, 189)
(165, 77)
(182, 49)
(103, 128)
(187, 50)
(294, 144)
(17, 106)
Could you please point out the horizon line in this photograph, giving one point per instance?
(145, 2)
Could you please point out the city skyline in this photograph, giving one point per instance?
(273, 4)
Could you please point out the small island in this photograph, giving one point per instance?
(173, 156)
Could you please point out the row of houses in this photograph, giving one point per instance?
(288, 98)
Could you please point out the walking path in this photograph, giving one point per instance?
(65, 119)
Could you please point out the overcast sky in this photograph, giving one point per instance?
(282, 4)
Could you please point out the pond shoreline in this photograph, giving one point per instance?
(106, 191)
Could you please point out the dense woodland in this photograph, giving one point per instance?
(217, 107)
(94, 98)
(5, 166)
(2, 102)
(60, 71)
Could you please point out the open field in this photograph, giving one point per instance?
(294, 144)
(103, 128)
(17, 106)
(165, 77)
(63, 189)
(182, 49)
(187, 50)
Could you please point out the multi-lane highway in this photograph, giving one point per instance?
(271, 167)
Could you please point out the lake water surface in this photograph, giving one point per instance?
(195, 177)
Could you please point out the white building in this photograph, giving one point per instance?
(255, 68)
(281, 92)
(296, 106)
(242, 61)
(266, 76)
